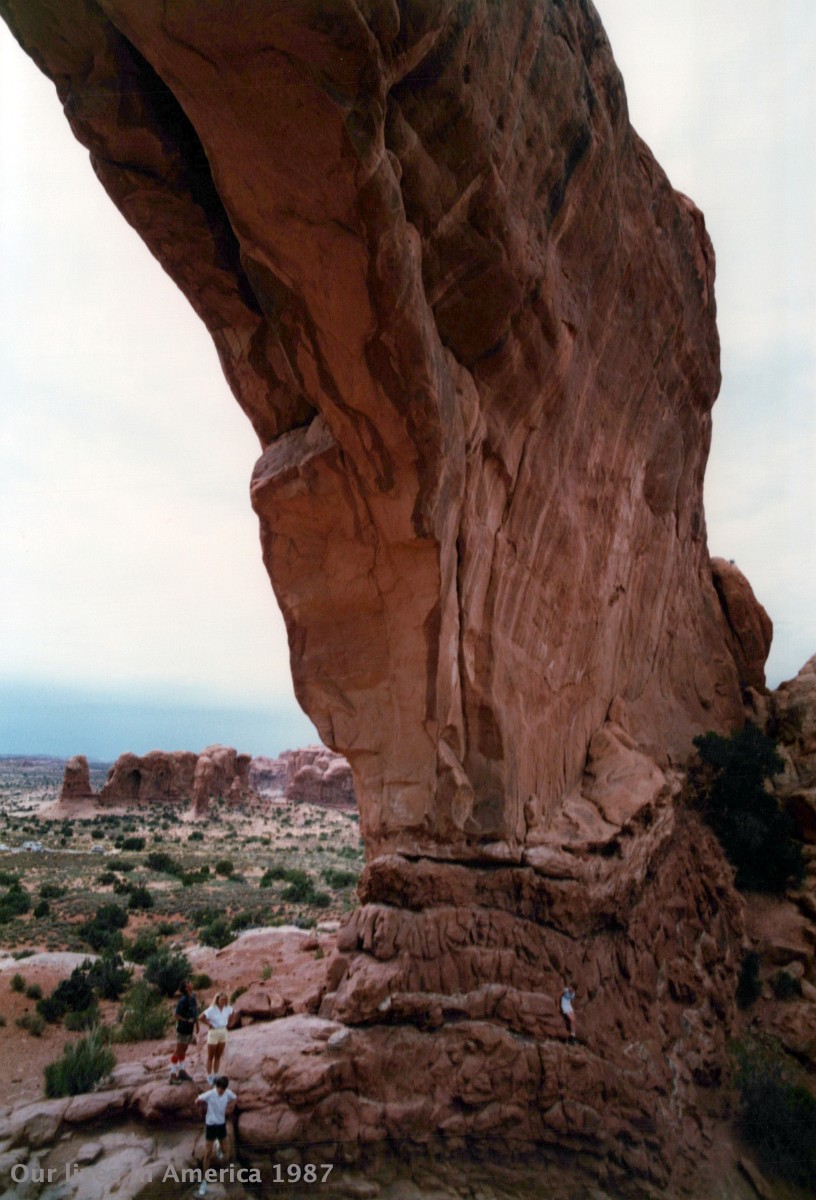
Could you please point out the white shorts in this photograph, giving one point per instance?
(216, 1037)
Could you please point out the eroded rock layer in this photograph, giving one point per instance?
(178, 777)
(473, 326)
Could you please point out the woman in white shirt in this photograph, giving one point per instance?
(217, 1020)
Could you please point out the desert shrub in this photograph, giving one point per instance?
(107, 879)
(14, 901)
(144, 1016)
(124, 866)
(167, 970)
(201, 980)
(97, 834)
(109, 976)
(340, 877)
(133, 843)
(165, 928)
(18, 983)
(749, 987)
(82, 1065)
(217, 933)
(51, 891)
(103, 931)
(8, 879)
(140, 897)
(76, 1022)
(785, 986)
(41, 909)
(224, 866)
(34, 991)
(160, 860)
(205, 916)
(32, 1023)
(778, 1113)
(143, 946)
(74, 994)
(730, 781)
(266, 971)
(196, 836)
(239, 991)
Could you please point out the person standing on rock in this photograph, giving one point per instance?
(220, 1101)
(186, 1029)
(217, 1020)
(567, 997)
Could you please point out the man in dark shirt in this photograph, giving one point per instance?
(186, 1029)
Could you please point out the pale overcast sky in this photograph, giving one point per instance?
(135, 612)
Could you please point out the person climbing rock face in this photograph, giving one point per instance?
(567, 997)
(220, 1101)
(186, 1029)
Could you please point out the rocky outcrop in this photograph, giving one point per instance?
(484, 440)
(750, 628)
(179, 777)
(76, 781)
(791, 717)
(473, 326)
(311, 775)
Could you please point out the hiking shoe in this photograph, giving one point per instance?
(187, 1078)
(211, 1079)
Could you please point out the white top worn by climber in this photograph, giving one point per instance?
(567, 997)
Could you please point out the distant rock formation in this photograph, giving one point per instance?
(750, 628)
(791, 717)
(310, 775)
(76, 781)
(179, 777)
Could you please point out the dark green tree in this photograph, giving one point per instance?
(731, 783)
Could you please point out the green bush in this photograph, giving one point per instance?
(196, 836)
(749, 988)
(340, 877)
(167, 970)
(18, 983)
(143, 946)
(160, 860)
(14, 901)
(41, 909)
(239, 991)
(200, 981)
(74, 994)
(785, 986)
(8, 879)
(730, 781)
(34, 991)
(778, 1113)
(144, 1016)
(109, 976)
(51, 891)
(103, 931)
(217, 934)
(140, 897)
(32, 1023)
(83, 1064)
(76, 1022)
(224, 866)
(133, 843)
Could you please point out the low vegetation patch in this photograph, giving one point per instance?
(82, 1065)
(778, 1115)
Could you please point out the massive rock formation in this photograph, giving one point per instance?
(310, 775)
(474, 329)
(179, 777)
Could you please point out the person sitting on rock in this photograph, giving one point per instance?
(186, 1029)
(220, 1101)
(217, 1019)
(567, 997)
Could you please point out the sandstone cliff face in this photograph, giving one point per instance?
(473, 326)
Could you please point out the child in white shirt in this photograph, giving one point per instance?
(220, 1101)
